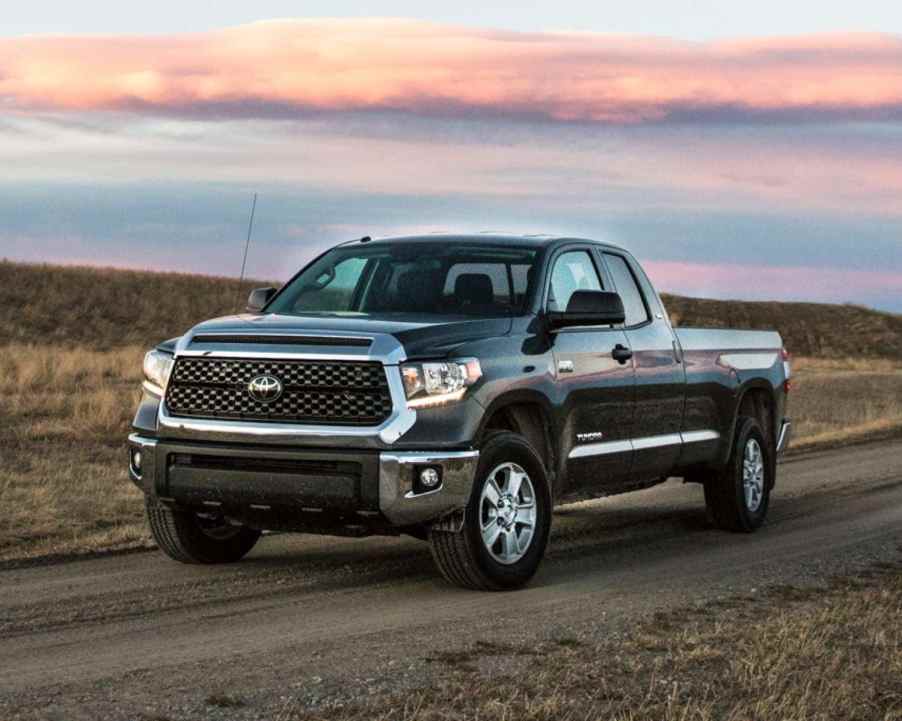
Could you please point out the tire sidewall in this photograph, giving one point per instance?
(747, 429)
(499, 449)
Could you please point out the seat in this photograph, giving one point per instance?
(474, 294)
(418, 291)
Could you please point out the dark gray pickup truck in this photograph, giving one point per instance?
(453, 388)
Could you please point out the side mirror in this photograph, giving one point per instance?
(589, 307)
(258, 299)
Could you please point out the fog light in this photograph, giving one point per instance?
(430, 478)
(136, 461)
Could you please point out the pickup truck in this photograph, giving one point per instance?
(453, 388)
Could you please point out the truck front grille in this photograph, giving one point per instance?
(323, 392)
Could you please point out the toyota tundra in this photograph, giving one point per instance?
(453, 388)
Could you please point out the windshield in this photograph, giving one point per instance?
(412, 278)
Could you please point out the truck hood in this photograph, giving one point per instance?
(420, 335)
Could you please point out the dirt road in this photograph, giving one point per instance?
(306, 618)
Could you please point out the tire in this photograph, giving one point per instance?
(733, 504)
(513, 558)
(184, 536)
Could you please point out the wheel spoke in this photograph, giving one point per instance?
(509, 542)
(515, 479)
(490, 534)
(492, 493)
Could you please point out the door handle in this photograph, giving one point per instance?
(621, 354)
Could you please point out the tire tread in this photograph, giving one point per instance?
(453, 553)
(723, 503)
(178, 535)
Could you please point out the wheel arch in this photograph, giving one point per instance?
(530, 414)
(755, 398)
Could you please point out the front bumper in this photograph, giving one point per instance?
(352, 483)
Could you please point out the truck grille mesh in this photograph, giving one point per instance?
(326, 392)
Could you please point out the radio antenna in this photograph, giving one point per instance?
(247, 245)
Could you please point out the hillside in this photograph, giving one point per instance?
(808, 329)
(105, 308)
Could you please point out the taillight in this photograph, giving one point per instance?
(787, 370)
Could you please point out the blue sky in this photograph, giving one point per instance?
(733, 160)
(701, 19)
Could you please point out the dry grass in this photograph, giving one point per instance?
(104, 308)
(63, 485)
(841, 400)
(808, 329)
(787, 655)
(66, 415)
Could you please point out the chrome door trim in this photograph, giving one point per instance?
(641, 444)
(601, 449)
(699, 436)
(668, 439)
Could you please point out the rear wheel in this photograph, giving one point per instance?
(191, 537)
(506, 522)
(738, 496)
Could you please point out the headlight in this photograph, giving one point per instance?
(157, 366)
(434, 384)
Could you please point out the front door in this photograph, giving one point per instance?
(660, 381)
(597, 389)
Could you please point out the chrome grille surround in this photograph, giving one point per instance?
(383, 348)
(333, 392)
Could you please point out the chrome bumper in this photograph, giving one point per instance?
(397, 499)
(784, 437)
(391, 479)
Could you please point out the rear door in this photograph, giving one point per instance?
(660, 379)
(597, 390)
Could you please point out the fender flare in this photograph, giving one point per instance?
(551, 433)
(752, 384)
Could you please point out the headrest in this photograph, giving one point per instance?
(474, 289)
(420, 287)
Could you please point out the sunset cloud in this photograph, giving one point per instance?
(292, 67)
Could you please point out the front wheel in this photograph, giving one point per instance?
(738, 497)
(506, 522)
(189, 537)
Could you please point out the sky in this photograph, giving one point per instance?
(738, 152)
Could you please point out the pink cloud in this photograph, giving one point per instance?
(282, 67)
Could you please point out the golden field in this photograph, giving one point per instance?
(67, 397)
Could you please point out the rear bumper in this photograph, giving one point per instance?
(784, 436)
(250, 481)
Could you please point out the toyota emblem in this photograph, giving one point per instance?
(265, 389)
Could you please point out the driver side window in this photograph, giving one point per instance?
(335, 287)
(573, 271)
